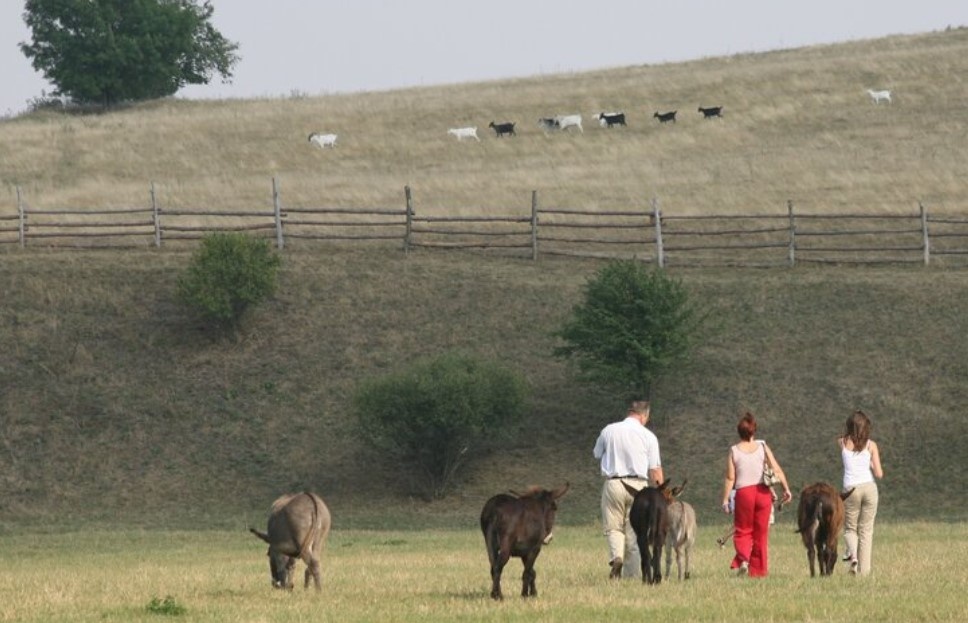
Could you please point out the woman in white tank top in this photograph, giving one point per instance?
(862, 465)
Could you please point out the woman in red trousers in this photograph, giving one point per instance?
(754, 501)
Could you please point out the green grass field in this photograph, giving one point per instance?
(442, 576)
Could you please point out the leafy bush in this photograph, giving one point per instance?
(167, 606)
(228, 274)
(440, 414)
(634, 325)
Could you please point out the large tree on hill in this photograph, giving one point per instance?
(635, 325)
(111, 51)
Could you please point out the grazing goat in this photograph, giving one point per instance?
(563, 122)
(712, 111)
(820, 518)
(500, 129)
(608, 119)
(682, 534)
(666, 117)
(518, 525)
(547, 123)
(649, 517)
(462, 133)
(879, 96)
(323, 140)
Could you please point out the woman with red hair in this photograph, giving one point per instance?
(753, 502)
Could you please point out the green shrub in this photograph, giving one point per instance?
(229, 273)
(440, 414)
(167, 606)
(634, 325)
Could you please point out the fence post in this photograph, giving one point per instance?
(409, 228)
(924, 234)
(155, 216)
(23, 217)
(793, 235)
(277, 210)
(657, 221)
(534, 226)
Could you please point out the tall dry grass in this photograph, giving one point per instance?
(798, 125)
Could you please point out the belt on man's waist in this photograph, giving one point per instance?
(632, 476)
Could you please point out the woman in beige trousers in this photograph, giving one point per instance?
(862, 465)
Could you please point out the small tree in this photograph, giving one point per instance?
(634, 325)
(110, 51)
(440, 414)
(228, 274)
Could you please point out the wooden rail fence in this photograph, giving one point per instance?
(783, 239)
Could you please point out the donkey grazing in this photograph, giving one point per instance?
(518, 524)
(298, 525)
(820, 518)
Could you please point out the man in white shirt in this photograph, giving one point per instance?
(628, 452)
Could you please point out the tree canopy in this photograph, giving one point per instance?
(111, 51)
(634, 325)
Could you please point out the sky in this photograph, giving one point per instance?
(317, 47)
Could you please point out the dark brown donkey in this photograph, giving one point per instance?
(298, 525)
(518, 524)
(820, 518)
(649, 517)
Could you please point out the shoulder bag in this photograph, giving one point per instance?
(769, 476)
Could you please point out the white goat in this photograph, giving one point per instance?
(681, 536)
(567, 121)
(879, 96)
(462, 133)
(323, 140)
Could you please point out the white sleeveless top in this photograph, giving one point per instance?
(857, 466)
(749, 466)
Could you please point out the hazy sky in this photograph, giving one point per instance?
(328, 46)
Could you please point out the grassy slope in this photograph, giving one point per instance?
(115, 403)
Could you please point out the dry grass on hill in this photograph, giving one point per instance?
(798, 125)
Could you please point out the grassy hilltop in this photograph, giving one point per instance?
(797, 125)
(116, 407)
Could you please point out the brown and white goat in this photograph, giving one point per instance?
(820, 518)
